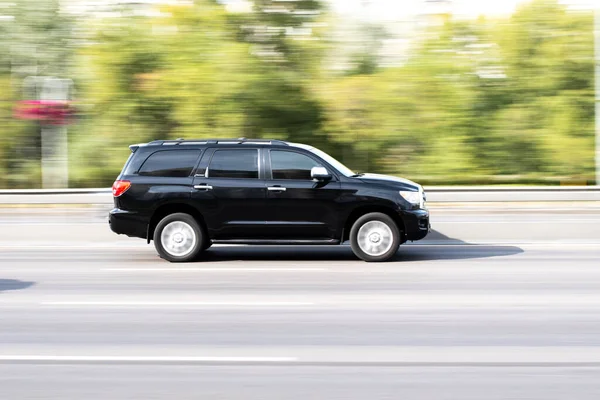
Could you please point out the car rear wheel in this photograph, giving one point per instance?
(375, 237)
(178, 238)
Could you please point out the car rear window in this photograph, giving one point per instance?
(171, 163)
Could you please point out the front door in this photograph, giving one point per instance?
(299, 208)
(231, 195)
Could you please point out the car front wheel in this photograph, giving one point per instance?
(375, 237)
(178, 238)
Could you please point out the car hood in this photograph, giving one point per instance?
(399, 182)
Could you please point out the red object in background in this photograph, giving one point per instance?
(120, 187)
(51, 112)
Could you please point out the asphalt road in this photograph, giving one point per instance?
(497, 304)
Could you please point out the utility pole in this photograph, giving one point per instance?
(55, 155)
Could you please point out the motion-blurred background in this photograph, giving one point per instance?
(443, 92)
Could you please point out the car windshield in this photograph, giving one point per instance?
(333, 162)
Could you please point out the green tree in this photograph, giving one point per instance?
(36, 39)
(477, 101)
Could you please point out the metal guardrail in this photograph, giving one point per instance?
(101, 196)
(435, 194)
(42, 192)
(557, 189)
(483, 194)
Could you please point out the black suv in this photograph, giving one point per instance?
(188, 194)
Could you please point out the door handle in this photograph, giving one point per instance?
(203, 187)
(276, 189)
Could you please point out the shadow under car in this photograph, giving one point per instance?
(435, 247)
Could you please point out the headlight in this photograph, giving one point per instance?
(414, 198)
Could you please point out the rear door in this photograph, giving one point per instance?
(230, 192)
(299, 207)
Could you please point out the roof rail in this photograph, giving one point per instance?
(218, 141)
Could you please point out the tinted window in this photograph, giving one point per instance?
(174, 163)
(127, 168)
(290, 165)
(234, 164)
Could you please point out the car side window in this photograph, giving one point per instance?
(171, 163)
(289, 165)
(240, 164)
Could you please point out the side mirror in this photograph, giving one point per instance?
(320, 174)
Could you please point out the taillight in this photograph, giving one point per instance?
(120, 187)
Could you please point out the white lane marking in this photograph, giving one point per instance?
(522, 223)
(214, 269)
(148, 359)
(478, 243)
(59, 224)
(83, 246)
(385, 354)
(175, 303)
(581, 210)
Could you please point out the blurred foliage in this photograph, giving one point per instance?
(35, 39)
(482, 101)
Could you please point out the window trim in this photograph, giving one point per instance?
(216, 150)
(307, 154)
(192, 171)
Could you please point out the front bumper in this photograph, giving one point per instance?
(416, 224)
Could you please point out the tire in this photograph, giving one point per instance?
(375, 237)
(179, 238)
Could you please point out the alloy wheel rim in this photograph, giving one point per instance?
(178, 238)
(375, 238)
